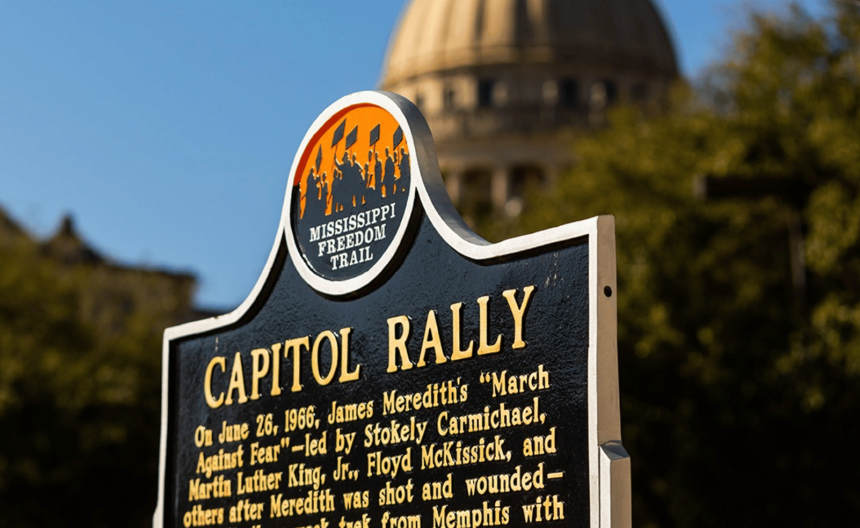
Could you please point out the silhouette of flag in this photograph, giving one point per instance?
(352, 137)
(398, 136)
(374, 135)
(319, 158)
(338, 134)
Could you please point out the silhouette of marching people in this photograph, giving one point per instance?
(324, 197)
(316, 195)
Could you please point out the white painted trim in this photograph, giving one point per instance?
(603, 405)
(343, 287)
(615, 495)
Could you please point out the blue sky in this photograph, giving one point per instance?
(167, 128)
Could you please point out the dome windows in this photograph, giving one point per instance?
(485, 92)
(449, 98)
(568, 93)
(563, 92)
(491, 92)
(603, 93)
(611, 90)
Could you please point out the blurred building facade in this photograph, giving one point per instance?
(111, 292)
(506, 85)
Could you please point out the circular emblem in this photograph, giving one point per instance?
(351, 193)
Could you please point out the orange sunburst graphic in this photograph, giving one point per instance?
(358, 156)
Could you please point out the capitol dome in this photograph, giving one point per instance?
(436, 35)
(507, 84)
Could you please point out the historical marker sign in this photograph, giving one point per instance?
(390, 369)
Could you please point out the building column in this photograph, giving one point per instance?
(454, 184)
(500, 187)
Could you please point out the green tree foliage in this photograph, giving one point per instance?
(739, 399)
(80, 385)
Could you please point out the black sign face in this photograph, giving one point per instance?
(441, 383)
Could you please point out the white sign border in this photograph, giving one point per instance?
(609, 464)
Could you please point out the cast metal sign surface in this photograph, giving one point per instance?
(390, 368)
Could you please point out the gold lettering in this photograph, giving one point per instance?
(354, 500)
(276, 369)
(200, 517)
(202, 436)
(456, 353)
(315, 364)
(296, 346)
(391, 495)
(219, 487)
(220, 462)
(432, 340)
(207, 382)
(398, 344)
(483, 347)
(544, 509)
(438, 490)
(499, 418)
(263, 455)
(406, 521)
(237, 381)
(518, 312)
(258, 370)
(232, 432)
(540, 445)
(313, 502)
(345, 375)
(245, 510)
(388, 465)
(487, 515)
(519, 480)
